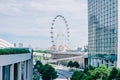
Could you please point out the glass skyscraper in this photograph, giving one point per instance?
(103, 32)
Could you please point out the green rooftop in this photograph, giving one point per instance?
(7, 51)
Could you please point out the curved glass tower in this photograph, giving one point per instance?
(103, 32)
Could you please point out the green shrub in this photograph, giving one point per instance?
(6, 51)
(70, 64)
(77, 75)
(48, 72)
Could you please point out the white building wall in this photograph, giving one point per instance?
(118, 55)
(12, 72)
(1, 72)
(17, 58)
(4, 44)
(19, 71)
(28, 70)
(25, 70)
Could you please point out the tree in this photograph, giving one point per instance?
(36, 77)
(77, 75)
(85, 50)
(73, 76)
(118, 75)
(48, 72)
(89, 69)
(76, 64)
(80, 75)
(89, 78)
(100, 72)
(38, 66)
(113, 73)
(70, 64)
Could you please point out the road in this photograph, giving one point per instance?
(63, 73)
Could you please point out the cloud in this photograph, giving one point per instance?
(52, 6)
(19, 31)
(70, 6)
(11, 8)
(34, 17)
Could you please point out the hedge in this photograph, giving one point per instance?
(6, 51)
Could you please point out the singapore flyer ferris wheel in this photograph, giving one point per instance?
(60, 36)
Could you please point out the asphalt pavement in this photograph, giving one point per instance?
(63, 73)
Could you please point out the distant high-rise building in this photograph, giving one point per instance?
(20, 45)
(104, 32)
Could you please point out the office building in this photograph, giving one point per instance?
(104, 32)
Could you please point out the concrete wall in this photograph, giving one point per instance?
(15, 58)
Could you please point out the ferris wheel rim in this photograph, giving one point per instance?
(66, 26)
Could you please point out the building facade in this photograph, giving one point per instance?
(103, 32)
(4, 44)
(16, 66)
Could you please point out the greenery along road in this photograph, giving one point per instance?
(46, 71)
(99, 73)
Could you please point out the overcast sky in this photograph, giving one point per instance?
(29, 21)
